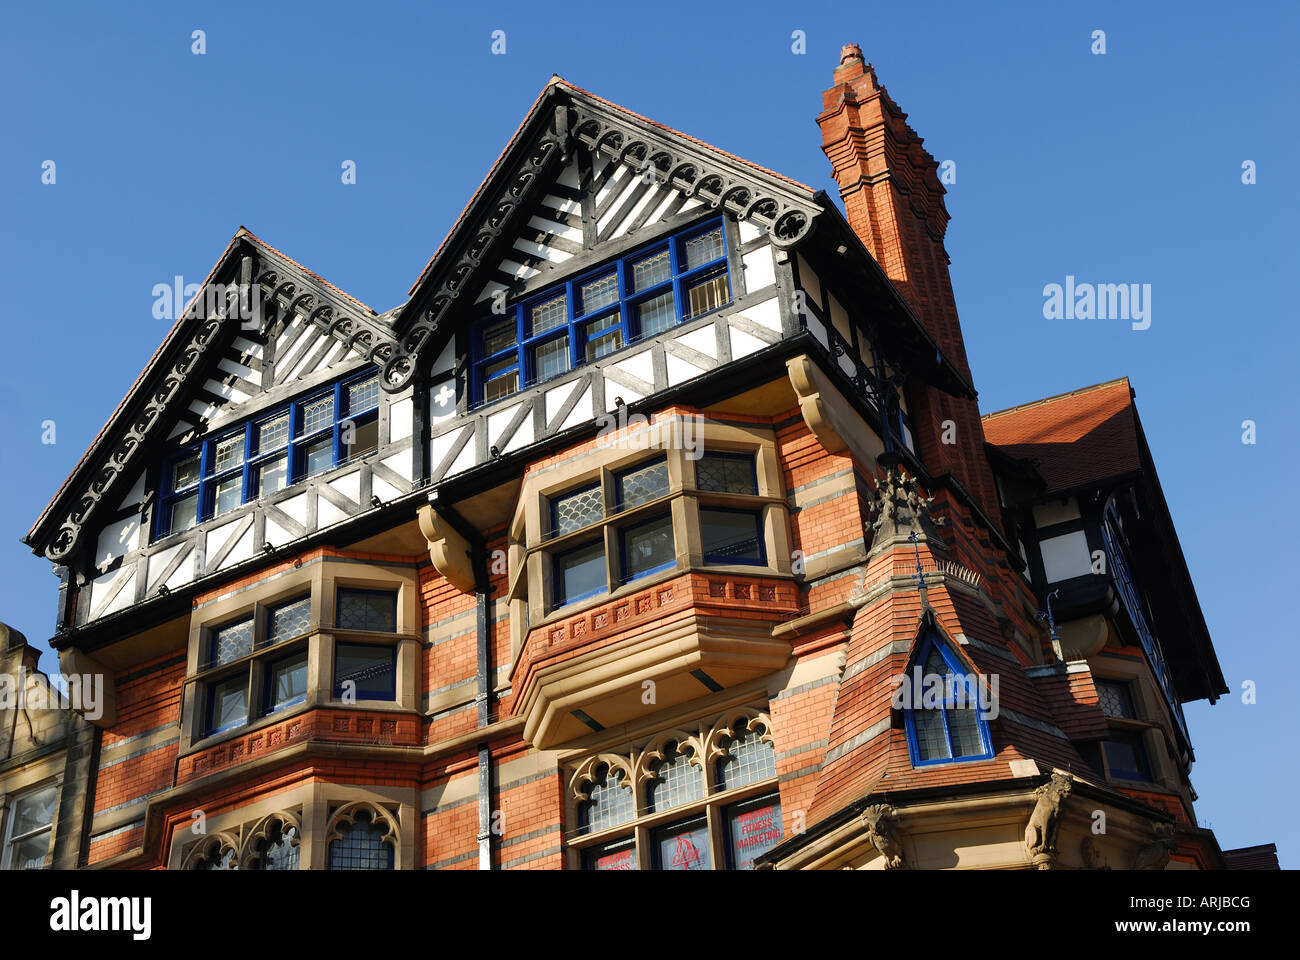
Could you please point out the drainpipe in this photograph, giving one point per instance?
(482, 696)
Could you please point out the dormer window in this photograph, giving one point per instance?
(638, 296)
(268, 453)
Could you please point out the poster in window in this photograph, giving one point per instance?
(684, 846)
(753, 828)
(619, 855)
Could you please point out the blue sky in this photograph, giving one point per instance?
(1119, 168)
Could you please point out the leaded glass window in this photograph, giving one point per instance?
(609, 801)
(363, 395)
(317, 415)
(1115, 699)
(280, 849)
(225, 860)
(185, 473)
(573, 511)
(652, 270)
(366, 610)
(289, 620)
(952, 728)
(643, 484)
(549, 315)
(360, 845)
(699, 250)
(273, 434)
(232, 642)
(598, 293)
(229, 453)
(677, 780)
(749, 758)
(727, 473)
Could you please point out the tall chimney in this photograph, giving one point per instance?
(894, 202)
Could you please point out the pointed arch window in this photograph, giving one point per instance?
(944, 714)
(361, 839)
(609, 801)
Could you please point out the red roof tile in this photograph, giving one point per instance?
(1072, 439)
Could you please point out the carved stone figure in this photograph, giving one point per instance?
(1155, 854)
(1045, 821)
(881, 822)
(899, 509)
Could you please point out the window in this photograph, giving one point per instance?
(1115, 699)
(681, 814)
(237, 683)
(366, 610)
(269, 453)
(361, 838)
(954, 728)
(727, 473)
(278, 850)
(645, 293)
(732, 536)
(580, 573)
(1125, 756)
(27, 834)
(647, 548)
(364, 672)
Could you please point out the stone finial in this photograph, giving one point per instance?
(898, 508)
(850, 51)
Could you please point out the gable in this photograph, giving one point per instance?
(209, 371)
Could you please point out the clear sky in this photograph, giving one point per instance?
(1124, 167)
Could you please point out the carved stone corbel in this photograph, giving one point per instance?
(881, 822)
(449, 551)
(1045, 821)
(1154, 855)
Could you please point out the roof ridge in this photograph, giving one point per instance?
(245, 232)
(1055, 397)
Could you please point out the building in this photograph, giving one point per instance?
(657, 528)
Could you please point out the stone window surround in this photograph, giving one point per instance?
(1147, 703)
(28, 781)
(638, 769)
(529, 550)
(316, 808)
(321, 579)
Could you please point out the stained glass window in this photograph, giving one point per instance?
(749, 758)
(360, 845)
(185, 473)
(366, 610)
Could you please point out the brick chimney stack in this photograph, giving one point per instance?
(893, 200)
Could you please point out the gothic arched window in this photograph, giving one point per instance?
(361, 839)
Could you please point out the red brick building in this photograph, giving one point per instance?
(658, 528)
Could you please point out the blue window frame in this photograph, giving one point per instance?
(286, 683)
(579, 573)
(646, 548)
(732, 536)
(953, 729)
(269, 452)
(227, 704)
(374, 610)
(619, 303)
(371, 671)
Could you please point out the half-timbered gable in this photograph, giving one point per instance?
(259, 422)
